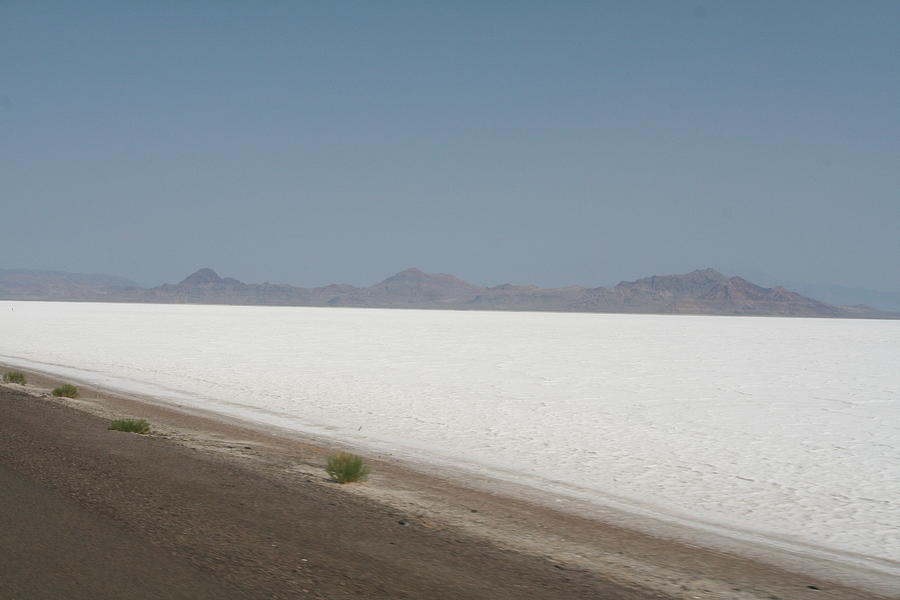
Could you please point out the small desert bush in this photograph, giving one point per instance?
(66, 390)
(130, 425)
(14, 377)
(346, 468)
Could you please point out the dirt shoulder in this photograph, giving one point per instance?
(219, 522)
(228, 511)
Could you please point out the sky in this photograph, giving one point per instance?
(547, 143)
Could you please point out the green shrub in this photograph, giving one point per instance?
(345, 468)
(66, 390)
(130, 425)
(14, 377)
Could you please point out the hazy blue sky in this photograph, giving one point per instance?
(531, 142)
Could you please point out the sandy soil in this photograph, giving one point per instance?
(207, 507)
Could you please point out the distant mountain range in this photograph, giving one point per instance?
(702, 292)
(23, 284)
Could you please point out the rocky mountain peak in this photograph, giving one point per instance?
(707, 273)
(411, 274)
(687, 284)
(418, 277)
(204, 276)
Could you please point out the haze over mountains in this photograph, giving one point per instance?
(705, 292)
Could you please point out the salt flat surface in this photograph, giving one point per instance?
(787, 429)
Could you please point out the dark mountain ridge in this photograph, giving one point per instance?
(701, 292)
